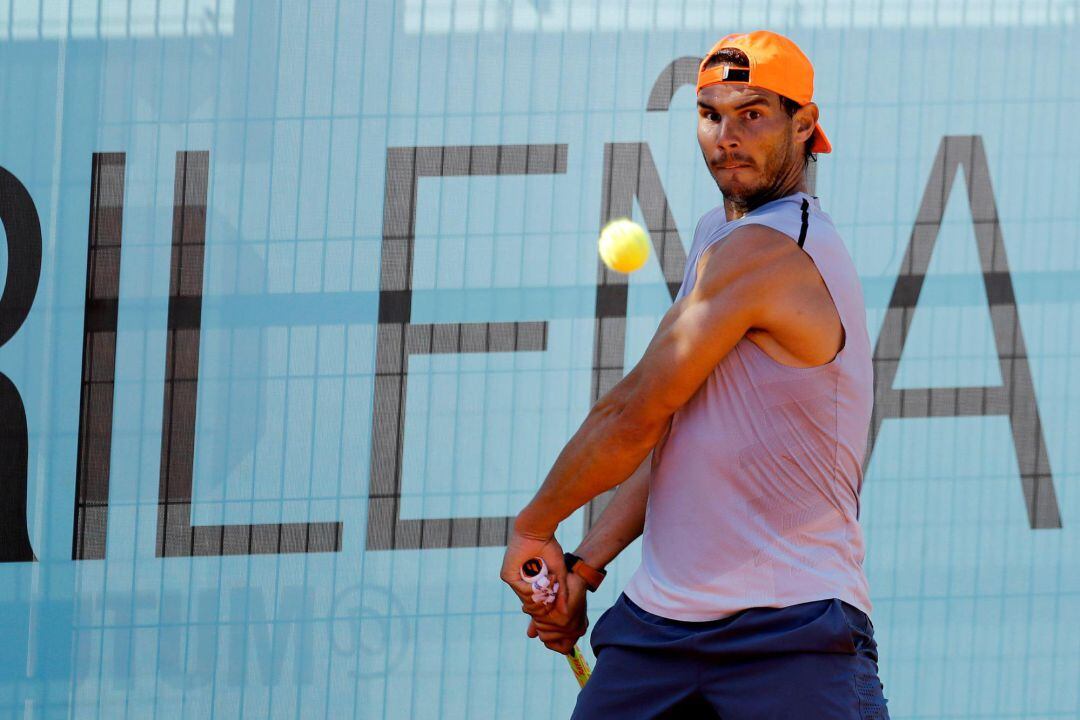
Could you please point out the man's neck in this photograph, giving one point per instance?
(736, 208)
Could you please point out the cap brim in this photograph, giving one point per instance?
(821, 143)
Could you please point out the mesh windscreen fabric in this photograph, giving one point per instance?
(302, 301)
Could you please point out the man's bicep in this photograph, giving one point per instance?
(737, 283)
(694, 335)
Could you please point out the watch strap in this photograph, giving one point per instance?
(592, 576)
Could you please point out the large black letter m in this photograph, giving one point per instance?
(1015, 397)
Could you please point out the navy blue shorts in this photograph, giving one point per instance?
(814, 660)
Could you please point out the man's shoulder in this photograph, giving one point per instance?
(755, 256)
(711, 221)
(753, 244)
(716, 214)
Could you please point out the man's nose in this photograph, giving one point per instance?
(727, 134)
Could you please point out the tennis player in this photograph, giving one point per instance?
(754, 401)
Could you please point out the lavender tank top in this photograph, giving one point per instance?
(754, 493)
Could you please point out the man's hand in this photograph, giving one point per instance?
(519, 548)
(567, 621)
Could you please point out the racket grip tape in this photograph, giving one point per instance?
(579, 665)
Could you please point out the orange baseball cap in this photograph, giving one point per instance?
(776, 64)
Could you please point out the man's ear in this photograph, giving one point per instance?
(804, 120)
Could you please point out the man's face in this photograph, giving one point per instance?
(747, 139)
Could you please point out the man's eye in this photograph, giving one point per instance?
(753, 114)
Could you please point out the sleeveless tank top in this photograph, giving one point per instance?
(754, 492)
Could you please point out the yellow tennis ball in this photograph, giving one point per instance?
(624, 245)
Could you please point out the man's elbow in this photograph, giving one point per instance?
(637, 426)
(636, 419)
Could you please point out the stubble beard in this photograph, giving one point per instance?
(770, 181)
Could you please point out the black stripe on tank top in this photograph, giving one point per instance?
(805, 220)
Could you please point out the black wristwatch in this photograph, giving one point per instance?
(592, 576)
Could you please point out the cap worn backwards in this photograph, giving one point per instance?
(776, 63)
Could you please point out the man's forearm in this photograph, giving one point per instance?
(621, 522)
(604, 452)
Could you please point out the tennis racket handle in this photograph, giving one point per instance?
(579, 665)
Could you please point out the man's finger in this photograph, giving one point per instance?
(571, 636)
(573, 623)
(568, 631)
(563, 647)
(524, 592)
(535, 609)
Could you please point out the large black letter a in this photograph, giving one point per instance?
(1015, 397)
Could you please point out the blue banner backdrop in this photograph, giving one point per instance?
(302, 299)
